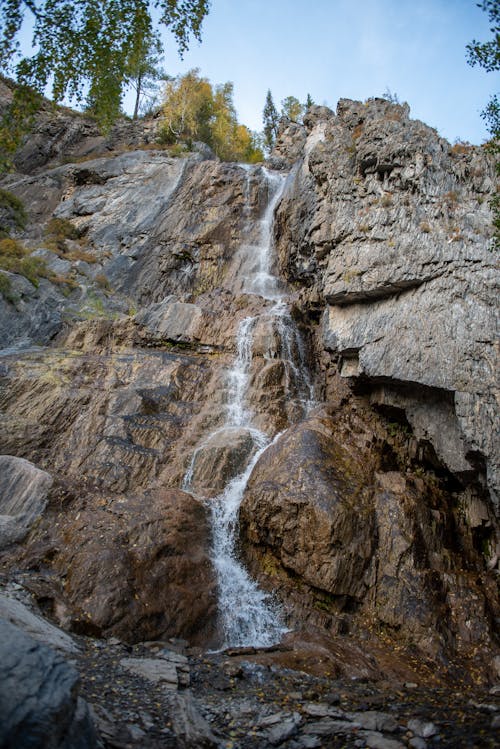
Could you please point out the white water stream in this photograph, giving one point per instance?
(248, 615)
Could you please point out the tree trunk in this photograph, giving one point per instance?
(137, 97)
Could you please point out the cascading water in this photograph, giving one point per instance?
(248, 615)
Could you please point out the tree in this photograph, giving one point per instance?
(271, 120)
(292, 109)
(309, 102)
(187, 108)
(195, 110)
(487, 55)
(143, 71)
(84, 46)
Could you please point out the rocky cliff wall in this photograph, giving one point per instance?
(374, 517)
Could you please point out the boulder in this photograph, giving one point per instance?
(222, 457)
(309, 501)
(39, 700)
(38, 628)
(23, 497)
(139, 568)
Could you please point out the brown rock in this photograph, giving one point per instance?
(138, 569)
(307, 501)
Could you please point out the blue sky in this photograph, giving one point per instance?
(348, 48)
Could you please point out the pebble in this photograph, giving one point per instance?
(327, 727)
(321, 710)
(417, 743)
(308, 742)
(424, 729)
(373, 720)
(376, 740)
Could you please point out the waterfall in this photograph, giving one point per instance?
(249, 616)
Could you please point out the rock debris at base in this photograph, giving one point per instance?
(268, 706)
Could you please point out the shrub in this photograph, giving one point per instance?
(460, 147)
(6, 289)
(61, 228)
(12, 213)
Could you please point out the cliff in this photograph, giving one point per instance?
(366, 381)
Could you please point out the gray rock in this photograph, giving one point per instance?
(284, 729)
(23, 497)
(322, 710)
(423, 728)
(392, 225)
(38, 697)
(157, 670)
(373, 720)
(308, 742)
(189, 726)
(376, 740)
(417, 743)
(41, 630)
(171, 320)
(330, 727)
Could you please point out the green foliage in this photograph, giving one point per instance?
(91, 48)
(143, 71)
(292, 109)
(194, 110)
(12, 213)
(270, 119)
(487, 55)
(309, 102)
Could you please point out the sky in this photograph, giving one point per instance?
(348, 48)
(352, 49)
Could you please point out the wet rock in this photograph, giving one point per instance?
(41, 630)
(222, 457)
(23, 497)
(39, 697)
(299, 504)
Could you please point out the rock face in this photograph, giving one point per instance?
(39, 697)
(391, 225)
(368, 544)
(23, 497)
(375, 511)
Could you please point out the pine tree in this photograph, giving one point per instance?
(271, 120)
(309, 102)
